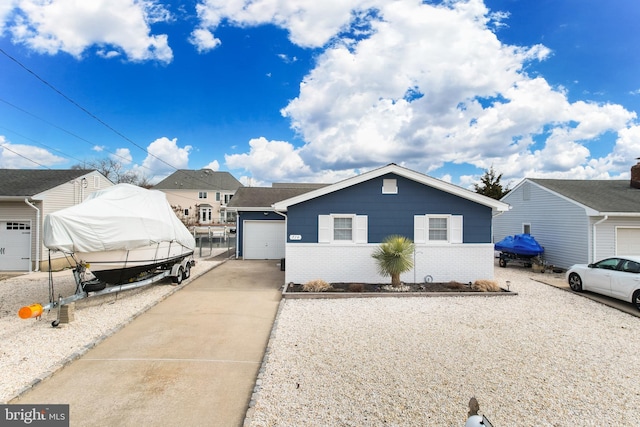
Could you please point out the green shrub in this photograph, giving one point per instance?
(394, 257)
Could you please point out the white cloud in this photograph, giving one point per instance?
(122, 156)
(310, 23)
(278, 161)
(165, 156)
(214, 166)
(73, 26)
(19, 156)
(421, 85)
(203, 40)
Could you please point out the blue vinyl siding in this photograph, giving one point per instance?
(249, 215)
(389, 213)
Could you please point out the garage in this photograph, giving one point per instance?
(627, 241)
(263, 239)
(15, 246)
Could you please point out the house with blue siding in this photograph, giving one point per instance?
(576, 221)
(330, 232)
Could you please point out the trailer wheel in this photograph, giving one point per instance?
(93, 286)
(177, 279)
(187, 271)
(502, 263)
(55, 323)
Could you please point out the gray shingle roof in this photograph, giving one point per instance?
(264, 197)
(202, 179)
(29, 182)
(600, 195)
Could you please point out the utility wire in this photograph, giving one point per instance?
(39, 143)
(24, 157)
(90, 114)
(63, 130)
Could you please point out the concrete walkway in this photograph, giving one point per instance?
(191, 360)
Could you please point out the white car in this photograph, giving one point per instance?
(617, 277)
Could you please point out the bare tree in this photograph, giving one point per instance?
(115, 172)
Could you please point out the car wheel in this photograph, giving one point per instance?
(636, 299)
(575, 282)
(502, 262)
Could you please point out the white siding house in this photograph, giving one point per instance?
(26, 197)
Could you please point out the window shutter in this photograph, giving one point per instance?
(361, 229)
(324, 228)
(419, 231)
(455, 234)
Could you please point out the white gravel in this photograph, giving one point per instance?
(31, 349)
(544, 357)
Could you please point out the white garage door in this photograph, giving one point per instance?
(15, 246)
(627, 241)
(263, 240)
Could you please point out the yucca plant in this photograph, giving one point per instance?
(394, 257)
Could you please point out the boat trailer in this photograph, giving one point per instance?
(93, 287)
(525, 260)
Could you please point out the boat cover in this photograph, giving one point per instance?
(520, 244)
(123, 216)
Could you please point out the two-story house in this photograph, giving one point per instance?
(200, 197)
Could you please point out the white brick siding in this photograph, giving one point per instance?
(353, 263)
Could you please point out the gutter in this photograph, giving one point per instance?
(38, 244)
(593, 252)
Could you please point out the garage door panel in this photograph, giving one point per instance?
(15, 246)
(628, 241)
(263, 240)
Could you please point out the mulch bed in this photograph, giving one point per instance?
(384, 287)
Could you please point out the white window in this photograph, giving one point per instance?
(389, 186)
(342, 228)
(202, 195)
(437, 228)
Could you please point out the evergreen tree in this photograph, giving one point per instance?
(490, 185)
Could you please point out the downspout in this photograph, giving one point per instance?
(593, 252)
(38, 244)
(286, 219)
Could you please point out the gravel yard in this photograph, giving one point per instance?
(545, 357)
(31, 349)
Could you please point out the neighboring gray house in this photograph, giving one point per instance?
(330, 233)
(26, 197)
(200, 197)
(576, 221)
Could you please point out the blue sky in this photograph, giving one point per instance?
(309, 91)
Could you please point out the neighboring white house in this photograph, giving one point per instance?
(576, 221)
(200, 197)
(26, 197)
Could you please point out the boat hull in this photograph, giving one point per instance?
(122, 266)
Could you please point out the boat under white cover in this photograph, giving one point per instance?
(120, 232)
(116, 267)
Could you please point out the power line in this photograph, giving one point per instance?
(24, 157)
(39, 143)
(90, 114)
(63, 130)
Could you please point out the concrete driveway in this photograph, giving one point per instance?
(190, 360)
